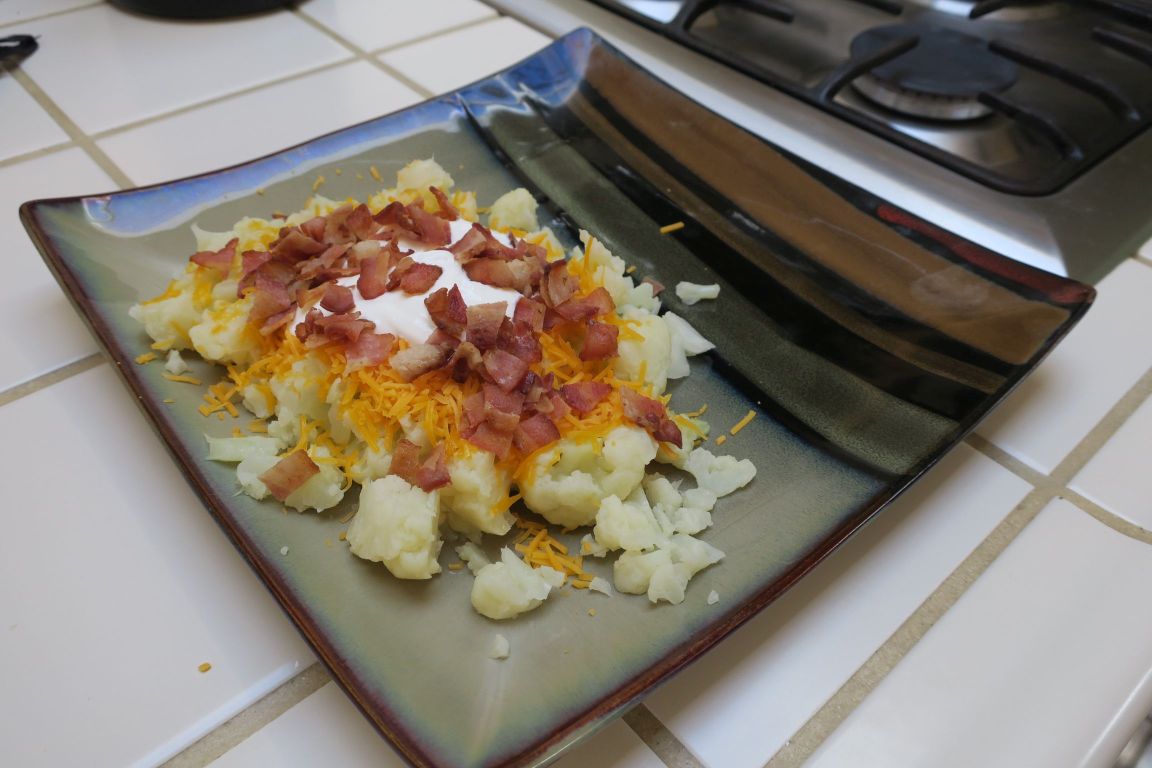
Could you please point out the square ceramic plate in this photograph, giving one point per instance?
(868, 342)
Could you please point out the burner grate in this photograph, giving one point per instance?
(1084, 85)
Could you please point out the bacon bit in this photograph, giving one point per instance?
(651, 416)
(598, 302)
(465, 359)
(742, 423)
(372, 281)
(405, 461)
(657, 286)
(518, 339)
(294, 245)
(506, 369)
(250, 261)
(534, 433)
(445, 341)
(447, 210)
(417, 359)
(147, 357)
(471, 245)
(347, 327)
(419, 278)
(473, 413)
(560, 407)
(181, 379)
(529, 312)
(313, 268)
(432, 229)
(336, 228)
(367, 350)
(433, 473)
(669, 228)
(502, 409)
(220, 260)
(447, 309)
(557, 285)
(583, 396)
(483, 323)
(600, 343)
(337, 299)
(488, 438)
(289, 473)
(277, 321)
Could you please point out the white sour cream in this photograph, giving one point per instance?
(404, 314)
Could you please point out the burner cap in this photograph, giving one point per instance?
(940, 78)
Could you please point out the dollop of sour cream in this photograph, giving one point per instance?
(404, 314)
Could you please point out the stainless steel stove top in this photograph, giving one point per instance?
(978, 162)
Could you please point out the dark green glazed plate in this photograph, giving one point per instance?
(868, 341)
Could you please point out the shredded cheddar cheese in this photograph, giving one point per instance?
(670, 228)
(182, 379)
(742, 423)
(147, 357)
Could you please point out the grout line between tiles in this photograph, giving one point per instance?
(432, 35)
(363, 55)
(48, 379)
(80, 138)
(1045, 488)
(34, 154)
(50, 14)
(659, 739)
(247, 722)
(218, 99)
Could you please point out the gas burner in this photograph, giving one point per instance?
(997, 10)
(941, 77)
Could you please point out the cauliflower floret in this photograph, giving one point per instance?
(664, 573)
(570, 479)
(514, 210)
(167, 320)
(719, 474)
(608, 270)
(322, 491)
(651, 353)
(660, 490)
(689, 436)
(685, 341)
(258, 400)
(223, 335)
(298, 393)
(691, 293)
(511, 587)
(477, 487)
(473, 556)
(629, 525)
(249, 470)
(632, 571)
(239, 448)
(421, 174)
(210, 241)
(547, 239)
(175, 364)
(371, 464)
(398, 525)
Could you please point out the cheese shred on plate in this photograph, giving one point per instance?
(470, 378)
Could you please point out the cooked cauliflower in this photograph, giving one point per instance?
(224, 335)
(239, 448)
(511, 587)
(691, 293)
(719, 474)
(664, 573)
(685, 342)
(570, 479)
(421, 174)
(167, 320)
(175, 363)
(629, 525)
(514, 210)
(650, 354)
(477, 487)
(398, 525)
(608, 271)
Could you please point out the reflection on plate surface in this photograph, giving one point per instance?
(868, 341)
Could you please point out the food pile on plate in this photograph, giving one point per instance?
(456, 372)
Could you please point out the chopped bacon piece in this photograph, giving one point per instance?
(373, 280)
(347, 327)
(433, 473)
(576, 309)
(447, 309)
(306, 298)
(471, 245)
(268, 298)
(369, 349)
(491, 272)
(530, 312)
(502, 409)
(534, 433)
(560, 407)
(432, 229)
(447, 210)
(314, 228)
(336, 228)
(306, 328)
(420, 277)
(518, 338)
(657, 286)
(506, 369)
(489, 438)
(444, 340)
(277, 321)
(584, 396)
(250, 261)
(484, 322)
(600, 343)
(417, 360)
(288, 474)
(337, 299)
(473, 406)
(361, 224)
(558, 284)
(220, 260)
(650, 415)
(294, 245)
(405, 461)
(313, 267)
(465, 359)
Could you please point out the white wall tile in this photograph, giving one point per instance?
(1044, 661)
(737, 706)
(449, 61)
(105, 68)
(1118, 478)
(12, 11)
(193, 142)
(115, 585)
(44, 331)
(26, 125)
(326, 729)
(371, 25)
(1084, 376)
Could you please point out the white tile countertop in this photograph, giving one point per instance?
(996, 615)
